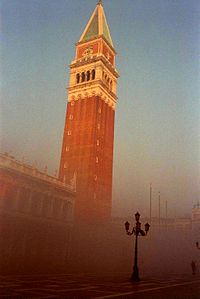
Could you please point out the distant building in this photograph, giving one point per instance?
(156, 223)
(196, 213)
(88, 139)
(36, 211)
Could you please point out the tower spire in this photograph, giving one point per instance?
(97, 25)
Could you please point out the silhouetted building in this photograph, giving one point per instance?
(87, 150)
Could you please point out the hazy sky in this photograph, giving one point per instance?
(157, 127)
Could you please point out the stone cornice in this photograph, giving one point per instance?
(88, 91)
(94, 59)
(8, 163)
(89, 85)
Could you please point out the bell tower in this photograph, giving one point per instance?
(87, 150)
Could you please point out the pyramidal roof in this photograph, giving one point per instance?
(97, 26)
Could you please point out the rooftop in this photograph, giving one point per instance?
(10, 163)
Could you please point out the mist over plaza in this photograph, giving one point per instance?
(99, 149)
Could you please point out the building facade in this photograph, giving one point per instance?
(25, 189)
(36, 213)
(87, 150)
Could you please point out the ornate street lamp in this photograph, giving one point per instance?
(136, 231)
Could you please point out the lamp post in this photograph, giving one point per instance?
(136, 231)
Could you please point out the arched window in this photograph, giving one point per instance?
(111, 84)
(77, 78)
(82, 77)
(93, 74)
(88, 76)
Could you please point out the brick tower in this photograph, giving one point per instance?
(87, 150)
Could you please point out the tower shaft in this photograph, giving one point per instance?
(87, 151)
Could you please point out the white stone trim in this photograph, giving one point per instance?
(99, 68)
(75, 94)
(100, 20)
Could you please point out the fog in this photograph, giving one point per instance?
(110, 250)
(156, 132)
(103, 250)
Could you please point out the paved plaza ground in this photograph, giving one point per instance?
(94, 286)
